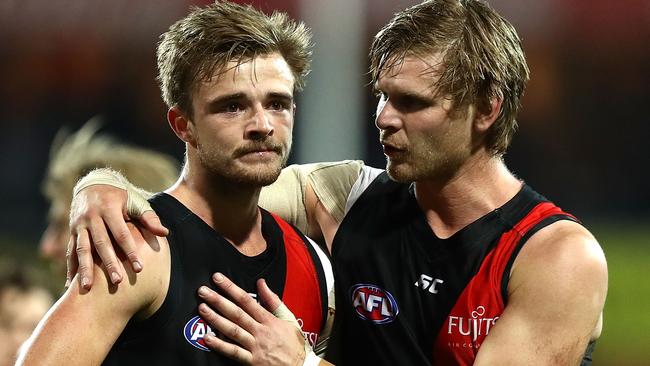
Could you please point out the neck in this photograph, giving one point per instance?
(481, 185)
(228, 207)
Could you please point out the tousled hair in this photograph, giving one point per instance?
(210, 37)
(482, 58)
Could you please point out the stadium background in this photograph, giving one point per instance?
(583, 139)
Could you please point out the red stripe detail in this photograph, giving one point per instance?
(301, 288)
(480, 304)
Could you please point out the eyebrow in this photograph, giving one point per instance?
(226, 98)
(400, 93)
(239, 96)
(281, 95)
(411, 94)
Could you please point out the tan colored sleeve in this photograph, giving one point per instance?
(331, 181)
(332, 184)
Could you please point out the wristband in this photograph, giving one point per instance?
(311, 359)
(283, 313)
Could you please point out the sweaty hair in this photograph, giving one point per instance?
(210, 37)
(481, 53)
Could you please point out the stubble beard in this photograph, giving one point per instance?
(230, 169)
(431, 163)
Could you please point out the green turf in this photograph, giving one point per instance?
(626, 331)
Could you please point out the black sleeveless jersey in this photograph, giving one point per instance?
(406, 297)
(174, 334)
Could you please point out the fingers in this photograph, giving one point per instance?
(122, 235)
(151, 222)
(242, 298)
(228, 309)
(85, 260)
(268, 298)
(104, 247)
(71, 262)
(224, 326)
(228, 349)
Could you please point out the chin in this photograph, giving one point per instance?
(258, 176)
(399, 173)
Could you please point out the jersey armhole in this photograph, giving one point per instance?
(366, 177)
(520, 244)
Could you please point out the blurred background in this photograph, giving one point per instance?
(583, 138)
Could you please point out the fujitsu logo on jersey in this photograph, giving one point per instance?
(374, 304)
(311, 337)
(474, 326)
(194, 331)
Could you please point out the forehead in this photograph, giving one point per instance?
(412, 73)
(263, 73)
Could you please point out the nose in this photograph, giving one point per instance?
(260, 125)
(387, 117)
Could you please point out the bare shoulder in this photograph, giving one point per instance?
(138, 292)
(561, 275)
(565, 250)
(151, 284)
(102, 312)
(556, 295)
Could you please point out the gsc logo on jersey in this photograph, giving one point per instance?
(195, 330)
(374, 304)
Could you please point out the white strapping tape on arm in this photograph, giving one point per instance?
(283, 313)
(136, 201)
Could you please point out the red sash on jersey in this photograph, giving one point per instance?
(479, 306)
(301, 289)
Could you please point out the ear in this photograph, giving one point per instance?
(182, 126)
(487, 114)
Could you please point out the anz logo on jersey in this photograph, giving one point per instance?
(195, 330)
(373, 303)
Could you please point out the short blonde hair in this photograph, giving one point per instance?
(482, 57)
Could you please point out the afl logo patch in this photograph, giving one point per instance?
(374, 304)
(195, 330)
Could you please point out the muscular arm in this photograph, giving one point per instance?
(556, 295)
(82, 326)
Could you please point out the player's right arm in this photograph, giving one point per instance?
(311, 196)
(82, 326)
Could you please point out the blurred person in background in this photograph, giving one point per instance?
(73, 155)
(446, 257)
(22, 305)
(22, 301)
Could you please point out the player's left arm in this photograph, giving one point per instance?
(82, 326)
(556, 295)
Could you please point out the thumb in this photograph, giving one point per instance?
(268, 298)
(151, 222)
(272, 303)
